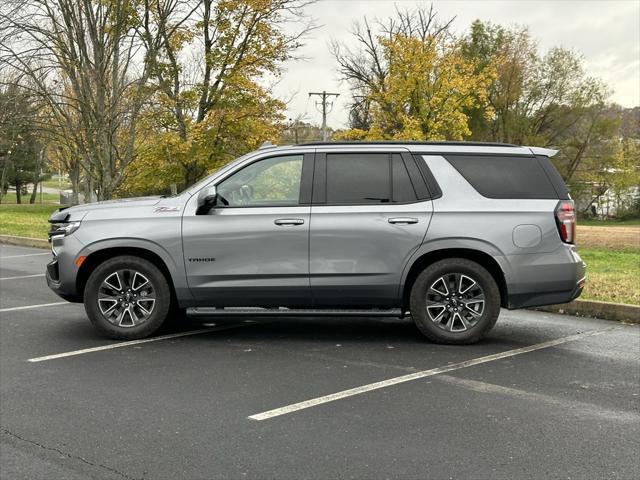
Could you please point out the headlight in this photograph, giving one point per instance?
(63, 229)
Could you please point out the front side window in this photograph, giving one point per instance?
(270, 182)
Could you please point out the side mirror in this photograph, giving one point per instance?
(207, 199)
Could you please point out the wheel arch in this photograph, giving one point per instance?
(97, 257)
(425, 259)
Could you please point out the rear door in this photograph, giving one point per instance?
(370, 212)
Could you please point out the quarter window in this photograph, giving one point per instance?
(270, 182)
(516, 177)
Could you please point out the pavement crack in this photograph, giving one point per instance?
(68, 455)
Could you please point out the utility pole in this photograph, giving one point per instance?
(322, 105)
(293, 125)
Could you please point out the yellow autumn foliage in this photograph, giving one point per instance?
(428, 87)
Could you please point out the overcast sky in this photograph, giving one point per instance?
(606, 33)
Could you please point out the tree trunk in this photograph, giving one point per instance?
(74, 176)
(3, 177)
(18, 192)
(34, 193)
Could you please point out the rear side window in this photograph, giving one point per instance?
(505, 176)
(358, 179)
(367, 178)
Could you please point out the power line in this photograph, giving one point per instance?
(323, 104)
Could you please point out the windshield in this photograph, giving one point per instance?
(198, 185)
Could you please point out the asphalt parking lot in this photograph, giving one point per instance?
(545, 396)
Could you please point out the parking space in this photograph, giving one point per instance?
(544, 395)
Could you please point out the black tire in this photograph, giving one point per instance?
(130, 330)
(476, 321)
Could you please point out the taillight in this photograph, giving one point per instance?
(566, 221)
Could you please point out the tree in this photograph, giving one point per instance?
(543, 100)
(77, 57)
(207, 67)
(21, 150)
(411, 80)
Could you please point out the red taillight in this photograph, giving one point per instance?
(566, 220)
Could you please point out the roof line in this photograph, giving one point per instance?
(400, 142)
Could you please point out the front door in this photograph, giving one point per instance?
(252, 249)
(368, 216)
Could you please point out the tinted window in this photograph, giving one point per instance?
(554, 177)
(272, 181)
(358, 178)
(504, 177)
(403, 191)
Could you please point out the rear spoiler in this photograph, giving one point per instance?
(547, 152)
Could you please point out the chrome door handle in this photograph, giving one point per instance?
(289, 221)
(403, 220)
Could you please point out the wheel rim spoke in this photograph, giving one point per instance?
(470, 282)
(107, 305)
(114, 281)
(440, 287)
(137, 277)
(150, 302)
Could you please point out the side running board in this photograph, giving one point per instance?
(290, 312)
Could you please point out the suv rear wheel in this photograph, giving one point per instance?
(127, 297)
(455, 301)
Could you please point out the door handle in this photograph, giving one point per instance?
(288, 221)
(403, 220)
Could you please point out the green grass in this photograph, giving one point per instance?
(612, 276)
(53, 183)
(25, 220)
(10, 197)
(632, 222)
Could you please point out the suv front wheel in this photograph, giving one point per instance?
(127, 297)
(455, 301)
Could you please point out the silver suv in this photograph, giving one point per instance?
(445, 232)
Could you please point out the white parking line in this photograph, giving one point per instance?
(25, 255)
(566, 404)
(138, 342)
(23, 276)
(422, 374)
(29, 307)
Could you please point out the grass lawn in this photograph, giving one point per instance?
(612, 276)
(632, 222)
(54, 183)
(10, 197)
(25, 220)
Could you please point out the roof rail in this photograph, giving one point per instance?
(401, 142)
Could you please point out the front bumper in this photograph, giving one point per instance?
(61, 272)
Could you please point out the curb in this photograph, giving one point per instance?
(618, 312)
(24, 241)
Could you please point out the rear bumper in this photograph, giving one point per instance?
(546, 279)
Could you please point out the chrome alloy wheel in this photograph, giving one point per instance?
(455, 302)
(126, 298)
